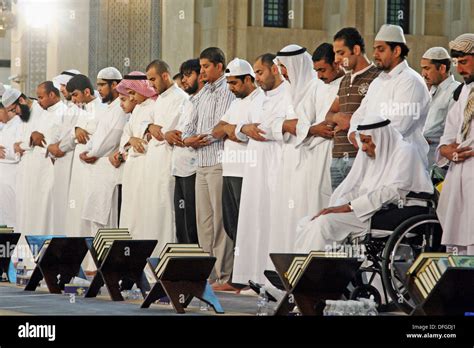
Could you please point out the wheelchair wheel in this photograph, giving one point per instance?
(418, 234)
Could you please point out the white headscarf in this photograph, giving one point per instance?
(64, 77)
(396, 162)
(300, 70)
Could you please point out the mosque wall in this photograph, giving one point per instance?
(91, 34)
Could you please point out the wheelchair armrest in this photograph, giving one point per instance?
(430, 198)
(421, 195)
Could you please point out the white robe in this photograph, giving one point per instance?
(36, 174)
(24, 206)
(401, 96)
(8, 171)
(235, 154)
(159, 204)
(442, 100)
(372, 183)
(317, 151)
(132, 215)
(259, 188)
(24, 170)
(304, 183)
(80, 175)
(100, 208)
(455, 206)
(62, 170)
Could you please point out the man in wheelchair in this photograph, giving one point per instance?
(385, 170)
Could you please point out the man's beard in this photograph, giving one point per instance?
(24, 112)
(192, 89)
(380, 66)
(268, 84)
(469, 79)
(108, 98)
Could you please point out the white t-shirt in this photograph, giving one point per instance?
(235, 155)
(184, 159)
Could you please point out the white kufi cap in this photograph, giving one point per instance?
(109, 73)
(10, 96)
(436, 53)
(391, 33)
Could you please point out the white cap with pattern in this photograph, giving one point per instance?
(10, 96)
(436, 53)
(109, 73)
(391, 33)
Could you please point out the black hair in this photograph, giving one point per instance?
(242, 77)
(1, 106)
(214, 55)
(189, 66)
(324, 51)
(25, 111)
(110, 82)
(160, 66)
(267, 59)
(81, 83)
(178, 76)
(459, 54)
(49, 88)
(351, 37)
(403, 47)
(17, 102)
(439, 62)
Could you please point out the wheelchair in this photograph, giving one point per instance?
(398, 233)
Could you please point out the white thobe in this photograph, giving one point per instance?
(159, 204)
(37, 183)
(235, 154)
(63, 168)
(401, 96)
(316, 148)
(25, 170)
(80, 175)
(8, 171)
(259, 187)
(441, 101)
(304, 183)
(100, 208)
(455, 206)
(25, 209)
(132, 213)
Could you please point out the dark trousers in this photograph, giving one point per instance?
(232, 186)
(185, 209)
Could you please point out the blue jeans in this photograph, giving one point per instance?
(340, 167)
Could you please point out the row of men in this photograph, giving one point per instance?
(238, 167)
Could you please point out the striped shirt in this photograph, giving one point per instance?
(352, 90)
(214, 100)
